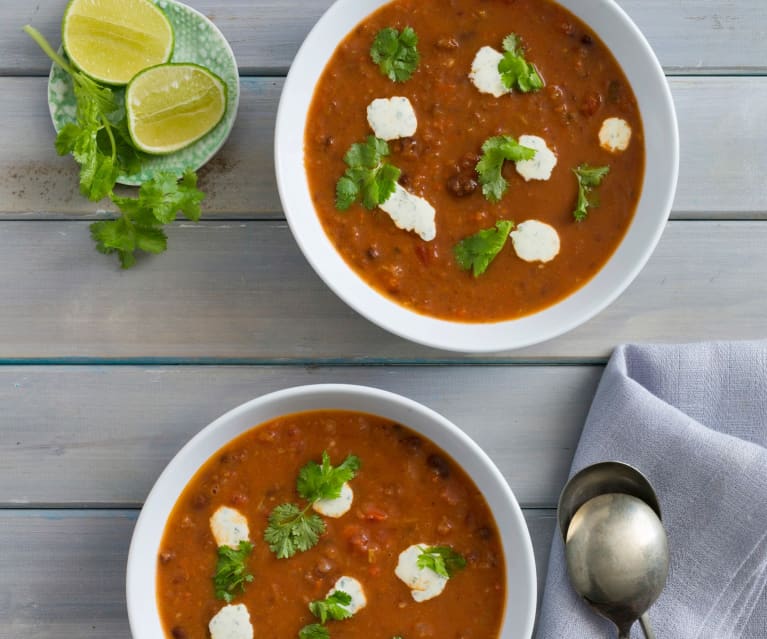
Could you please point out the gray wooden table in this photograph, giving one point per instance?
(105, 374)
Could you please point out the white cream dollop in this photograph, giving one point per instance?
(535, 241)
(542, 165)
(354, 589)
(411, 213)
(231, 622)
(229, 527)
(392, 118)
(336, 507)
(484, 72)
(615, 135)
(424, 583)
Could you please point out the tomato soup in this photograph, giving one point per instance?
(406, 491)
(583, 88)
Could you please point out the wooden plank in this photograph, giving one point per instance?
(689, 37)
(242, 292)
(63, 572)
(37, 183)
(96, 436)
(721, 175)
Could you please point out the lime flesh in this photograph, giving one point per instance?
(170, 106)
(112, 40)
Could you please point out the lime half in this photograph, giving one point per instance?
(170, 106)
(112, 40)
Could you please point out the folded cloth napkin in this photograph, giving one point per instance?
(693, 419)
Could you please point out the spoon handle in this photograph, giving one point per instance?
(645, 621)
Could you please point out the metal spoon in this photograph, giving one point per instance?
(615, 544)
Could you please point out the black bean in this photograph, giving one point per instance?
(463, 183)
(178, 632)
(439, 465)
(200, 501)
(412, 443)
(587, 40)
(484, 532)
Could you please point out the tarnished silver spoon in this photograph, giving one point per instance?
(615, 544)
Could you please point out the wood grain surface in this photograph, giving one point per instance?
(701, 36)
(721, 176)
(66, 576)
(105, 374)
(242, 292)
(61, 447)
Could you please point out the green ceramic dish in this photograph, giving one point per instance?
(197, 40)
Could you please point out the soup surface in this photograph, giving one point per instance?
(407, 491)
(583, 86)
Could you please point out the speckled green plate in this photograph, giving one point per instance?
(198, 40)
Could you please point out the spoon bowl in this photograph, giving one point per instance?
(615, 544)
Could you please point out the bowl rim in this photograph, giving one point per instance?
(577, 308)
(150, 525)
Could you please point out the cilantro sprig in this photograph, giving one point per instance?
(368, 177)
(332, 607)
(293, 529)
(139, 227)
(395, 53)
(99, 142)
(589, 178)
(476, 252)
(314, 631)
(441, 559)
(231, 571)
(324, 481)
(516, 72)
(495, 151)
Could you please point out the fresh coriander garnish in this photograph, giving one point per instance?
(138, 228)
(231, 572)
(589, 177)
(495, 151)
(323, 481)
(101, 145)
(516, 72)
(476, 252)
(442, 559)
(368, 177)
(395, 53)
(332, 607)
(292, 529)
(314, 631)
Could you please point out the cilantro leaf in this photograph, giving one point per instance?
(332, 607)
(291, 530)
(368, 177)
(158, 202)
(231, 571)
(395, 53)
(516, 72)
(347, 192)
(495, 151)
(441, 559)
(477, 251)
(323, 481)
(100, 143)
(314, 631)
(589, 177)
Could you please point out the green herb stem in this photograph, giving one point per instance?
(43, 44)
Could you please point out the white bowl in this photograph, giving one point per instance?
(646, 76)
(145, 545)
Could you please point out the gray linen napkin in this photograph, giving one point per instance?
(693, 418)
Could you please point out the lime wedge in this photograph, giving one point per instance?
(172, 105)
(112, 40)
